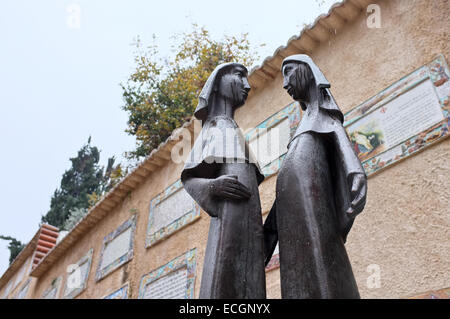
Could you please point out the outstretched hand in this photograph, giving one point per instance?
(358, 194)
(228, 187)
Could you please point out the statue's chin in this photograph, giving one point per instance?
(299, 99)
(292, 95)
(239, 103)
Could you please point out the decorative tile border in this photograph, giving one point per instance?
(74, 293)
(23, 292)
(292, 112)
(438, 72)
(121, 293)
(187, 260)
(435, 294)
(56, 284)
(153, 237)
(103, 271)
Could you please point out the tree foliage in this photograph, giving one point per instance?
(75, 215)
(14, 246)
(82, 185)
(160, 95)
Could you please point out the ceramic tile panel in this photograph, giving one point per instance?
(78, 273)
(174, 280)
(170, 211)
(117, 248)
(403, 119)
(53, 291)
(121, 293)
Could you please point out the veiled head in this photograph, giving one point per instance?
(233, 85)
(301, 75)
(227, 79)
(298, 78)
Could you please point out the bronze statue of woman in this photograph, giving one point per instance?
(222, 177)
(321, 187)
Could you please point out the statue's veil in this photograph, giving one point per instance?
(201, 112)
(328, 104)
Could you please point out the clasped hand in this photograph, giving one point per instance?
(228, 187)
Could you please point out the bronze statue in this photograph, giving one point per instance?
(321, 187)
(222, 176)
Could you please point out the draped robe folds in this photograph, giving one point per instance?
(234, 257)
(309, 216)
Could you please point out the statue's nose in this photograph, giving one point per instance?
(285, 83)
(247, 86)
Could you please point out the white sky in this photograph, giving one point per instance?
(58, 85)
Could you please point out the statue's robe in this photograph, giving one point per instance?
(234, 257)
(309, 218)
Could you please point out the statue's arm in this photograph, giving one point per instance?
(356, 176)
(207, 191)
(198, 188)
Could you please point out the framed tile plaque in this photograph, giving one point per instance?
(170, 211)
(174, 280)
(23, 292)
(53, 291)
(403, 119)
(117, 248)
(76, 281)
(121, 293)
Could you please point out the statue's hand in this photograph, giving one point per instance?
(228, 187)
(358, 194)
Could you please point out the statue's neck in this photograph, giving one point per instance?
(220, 106)
(312, 99)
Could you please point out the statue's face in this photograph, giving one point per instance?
(234, 86)
(297, 77)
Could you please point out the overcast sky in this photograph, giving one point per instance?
(59, 81)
